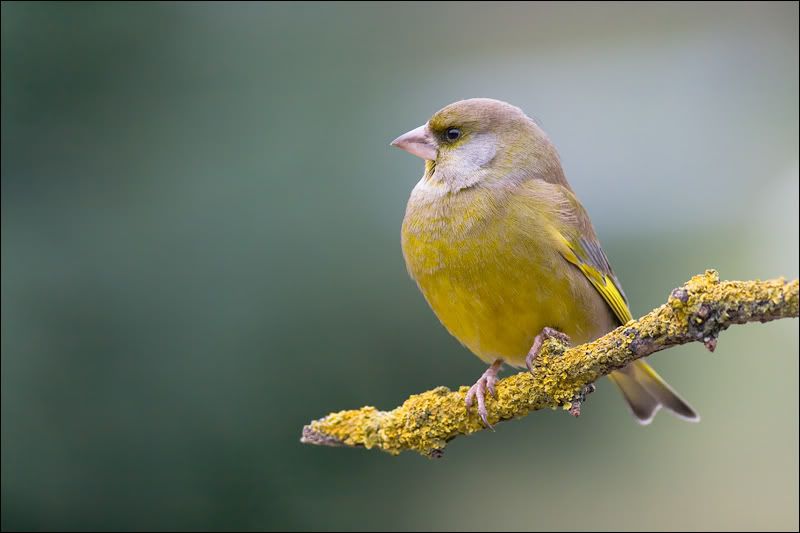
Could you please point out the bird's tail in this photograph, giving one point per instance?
(646, 392)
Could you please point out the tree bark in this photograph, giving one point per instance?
(426, 422)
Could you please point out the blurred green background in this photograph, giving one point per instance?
(200, 254)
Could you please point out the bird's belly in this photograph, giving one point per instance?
(494, 316)
(495, 301)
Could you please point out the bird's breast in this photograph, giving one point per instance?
(490, 276)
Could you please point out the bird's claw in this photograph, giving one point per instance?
(487, 381)
(547, 333)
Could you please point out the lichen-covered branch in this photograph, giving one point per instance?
(426, 422)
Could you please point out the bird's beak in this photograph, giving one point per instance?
(418, 142)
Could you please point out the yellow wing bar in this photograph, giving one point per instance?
(605, 283)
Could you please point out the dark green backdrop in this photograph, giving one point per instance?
(200, 253)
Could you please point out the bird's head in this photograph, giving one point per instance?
(481, 141)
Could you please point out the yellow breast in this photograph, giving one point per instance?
(490, 270)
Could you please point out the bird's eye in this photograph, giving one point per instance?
(453, 134)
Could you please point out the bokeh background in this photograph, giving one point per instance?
(200, 254)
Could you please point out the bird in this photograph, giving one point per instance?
(505, 254)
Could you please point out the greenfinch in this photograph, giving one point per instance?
(505, 254)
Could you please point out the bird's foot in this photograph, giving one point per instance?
(486, 382)
(547, 333)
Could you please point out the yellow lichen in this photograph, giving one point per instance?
(426, 422)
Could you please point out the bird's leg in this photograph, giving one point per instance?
(547, 333)
(486, 381)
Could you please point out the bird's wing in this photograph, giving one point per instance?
(582, 249)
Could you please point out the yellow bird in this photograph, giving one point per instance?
(504, 252)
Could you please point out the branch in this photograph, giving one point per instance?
(426, 422)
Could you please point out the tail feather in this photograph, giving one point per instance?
(642, 404)
(645, 392)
